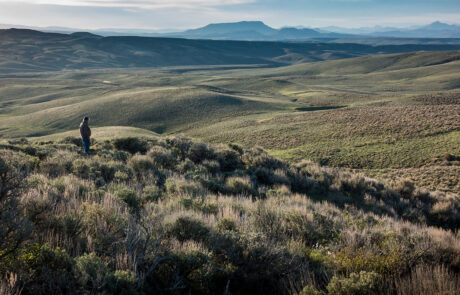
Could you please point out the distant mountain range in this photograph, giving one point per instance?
(253, 31)
(433, 30)
(258, 31)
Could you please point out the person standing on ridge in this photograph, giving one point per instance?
(85, 132)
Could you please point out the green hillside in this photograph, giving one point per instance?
(32, 51)
(378, 112)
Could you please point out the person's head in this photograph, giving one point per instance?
(86, 119)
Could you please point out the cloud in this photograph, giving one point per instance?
(152, 4)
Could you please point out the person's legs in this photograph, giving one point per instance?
(86, 145)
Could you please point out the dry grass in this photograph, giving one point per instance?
(425, 279)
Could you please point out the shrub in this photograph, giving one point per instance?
(140, 164)
(258, 158)
(90, 271)
(229, 160)
(131, 144)
(199, 205)
(267, 221)
(121, 156)
(187, 228)
(238, 185)
(226, 224)
(129, 197)
(199, 152)
(162, 158)
(316, 230)
(73, 140)
(213, 166)
(385, 257)
(151, 193)
(14, 226)
(49, 270)
(363, 283)
(59, 164)
(405, 187)
(81, 168)
(279, 191)
(310, 290)
(122, 282)
(180, 145)
(121, 176)
(107, 170)
(186, 167)
(176, 186)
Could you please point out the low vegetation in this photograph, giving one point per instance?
(175, 216)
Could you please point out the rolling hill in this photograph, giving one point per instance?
(28, 50)
(397, 111)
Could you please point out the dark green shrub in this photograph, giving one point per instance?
(57, 165)
(18, 141)
(107, 170)
(90, 271)
(129, 197)
(14, 225)
(229, 160)
(405, 187)
(213, 185)
(310, 290)
(199, 152)
(226, 224)
(121, 176)
(73, 140)
(151, 193)
(121, 156)
(213, 166)
(258, 158)
(49, 270)
(301, 182)
(186, 167)
(320, 230)
(199, 205)
(187, 228)
(131, 144)
(140, 164)
(176, 186)
(30, 150)
(81, 168)
(162, 158)
(123, 282)
(363, 283)
(180, 145)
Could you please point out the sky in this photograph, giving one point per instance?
(183, 14)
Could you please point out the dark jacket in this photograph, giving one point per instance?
(85, 131)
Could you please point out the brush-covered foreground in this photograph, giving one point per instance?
(172, 216)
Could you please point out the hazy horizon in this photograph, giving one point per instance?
(161, 15)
